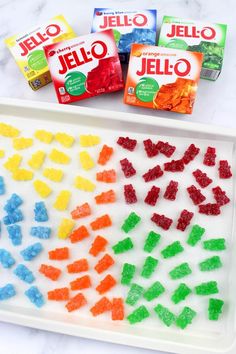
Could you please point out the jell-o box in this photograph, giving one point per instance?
(27, 49)
(204, 37)
(129, 26)
(85, 66)
(162, 78)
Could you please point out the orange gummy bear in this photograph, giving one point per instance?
(101, 222)
(106, 284)
(107, 176)
(104, 263)
(117, 310)
(105, 154)
(106, 197)
(81, 211)
(98, 245)
(60, 294)
(101, 306)
(79, 234)
(50, 272)
(76, 302)
(78, 266)
(81, 283)
(59, 254)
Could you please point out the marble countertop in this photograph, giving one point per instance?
(216, 104)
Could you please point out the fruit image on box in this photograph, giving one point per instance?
(84, 67)
(129, 26)
(27, 49)
(162, 78)
(196, 36)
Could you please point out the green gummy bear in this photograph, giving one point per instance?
(123, 246)
(151, 241)
(180, 271)
(149, 266)
(214, 244)
(134, 294)
(172, 250)
(138, 315)
(132, 220)
(215, 309)
(154, 291)
(195, 235)
(210, 264)
(207, 288)
(165, 315)
(127, 273)
(185, 318)
(180, 293)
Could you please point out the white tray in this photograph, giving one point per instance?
(212, 339)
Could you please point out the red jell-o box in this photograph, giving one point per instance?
(85, 66)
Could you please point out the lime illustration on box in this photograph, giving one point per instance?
(27, 49)
(162, 78)
(129, 26)
(84, 67)
(196, 36)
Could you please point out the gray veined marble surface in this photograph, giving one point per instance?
(216, 104)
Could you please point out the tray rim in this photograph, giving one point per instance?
(102, 334)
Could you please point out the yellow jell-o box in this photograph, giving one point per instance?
(27, 49)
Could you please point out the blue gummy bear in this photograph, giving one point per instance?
(13, 203)
(35, 296)
(24, 273)
(6, 258)
(40, 212)
(32, 251)
(7, 291)
(15, 234)
(41, 232)
(2, 186)
(13, 217)
(138, 35)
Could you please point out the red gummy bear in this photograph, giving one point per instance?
(162, 221)
(174, 166)
(220, 196)
(224, 169)
(127, 168)
(210, 157)
(150, 148)
(209, 209)
(165, 148)
(184, 219)
(190, 154)
(202, 179)
(152, 196)
(127, 143)
(171, 190)
(153, 173)
(130, 194)
(196, 195)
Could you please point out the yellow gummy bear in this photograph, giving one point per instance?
(2, 154)
(65, 228)
(42, 188)
(44, 136)
(22, 175)
(8, 131)
(62, 200)
(65, 139)
(13, 162)
(84, 184)
(53, 174)
(22, 143)
(37, 160)
(59, 157)
(89, 140)
(86, 160)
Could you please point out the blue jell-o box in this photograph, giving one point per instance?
(129, 26)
